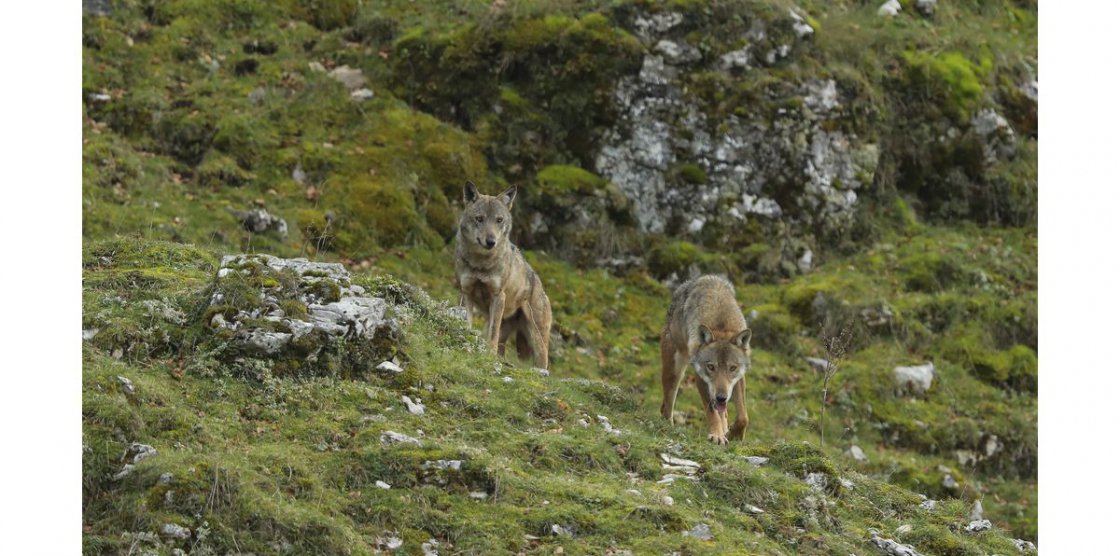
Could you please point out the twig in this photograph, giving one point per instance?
(836, 347)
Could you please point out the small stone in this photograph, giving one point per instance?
(805, 263)
(361, 95)
(350, 77)
(890, 8)
(124, 472)
(1023, 545)
(926, 7)
(478, 495)
(430, 548)
(316, 67)
(949, 482)
(847, 484)
(390, 367)
(507, 379)
(633, 492)
(977, 512)
(382, 485)
(126, 385)
(89, 333)
(443, 465)
(99, 97)
(756, 461)
(856, 453)
(818, 481)
(667, 500)
(701, 531)
(140, 452)
(928, 505)
(904, 528)
(751, 509)
(414, 407)
(175, 531)
(390, 437)
(166, 478)
(979, 525)
(540, 371)
(800, 27)
(562, 531)
(890, 546)
(583, 423)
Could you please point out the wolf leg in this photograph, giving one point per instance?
(742, 421)
(509, 326)
(494, 326)
(671, 375)
(716, 432)
(466, 305)
(538, 324)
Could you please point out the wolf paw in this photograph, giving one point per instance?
(718, 438)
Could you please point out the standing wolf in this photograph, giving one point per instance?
(706, 329)
(494, 278)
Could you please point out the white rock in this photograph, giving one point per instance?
(361, 95)
(414, 407)
(430, 548)
(166, 478)
(478, 495)
(800, 27)
(1023, 545)
(847, 483)
(679, 462)
(667, 500)
(756, 461)
(390, 437)
(124, 472)
(949, 482)
(390, 367)
(736, 59)
(805, 263)
(140, 452)
(561, 531)
(350, 77)
(904, 528)
(583, 423)
(507, 379)
(818, 481)
(892, 547)
(977, 512)
(700, 531)
(890, 8)
(928, 504)
(175, 531)
(126, 385)
(979, 525)
(857, 454)
(540, 371)
(443, 464)
(89, 333)
(382, 485)
(916, 379)
(753, 509)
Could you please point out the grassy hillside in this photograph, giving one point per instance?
(198, 112)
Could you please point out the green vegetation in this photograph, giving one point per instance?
(227, 105)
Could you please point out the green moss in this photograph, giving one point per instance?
(678, 257)
(217, 171)
(324, 14)
(951, 75)
(693, 174)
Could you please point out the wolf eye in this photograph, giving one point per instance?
(499, 220)
(711, 367)
(479, 219)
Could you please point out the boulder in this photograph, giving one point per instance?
(916, 380)
(297, 310)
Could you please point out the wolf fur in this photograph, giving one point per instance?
(494, 278)
(707, 331)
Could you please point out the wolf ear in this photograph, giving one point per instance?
(470, 192)
(705, 335)
(743, 340)
(507, 197)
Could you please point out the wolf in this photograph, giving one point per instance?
(706, 330)
(494, 278)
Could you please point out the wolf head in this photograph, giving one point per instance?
(722, 363)
(486, 222)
